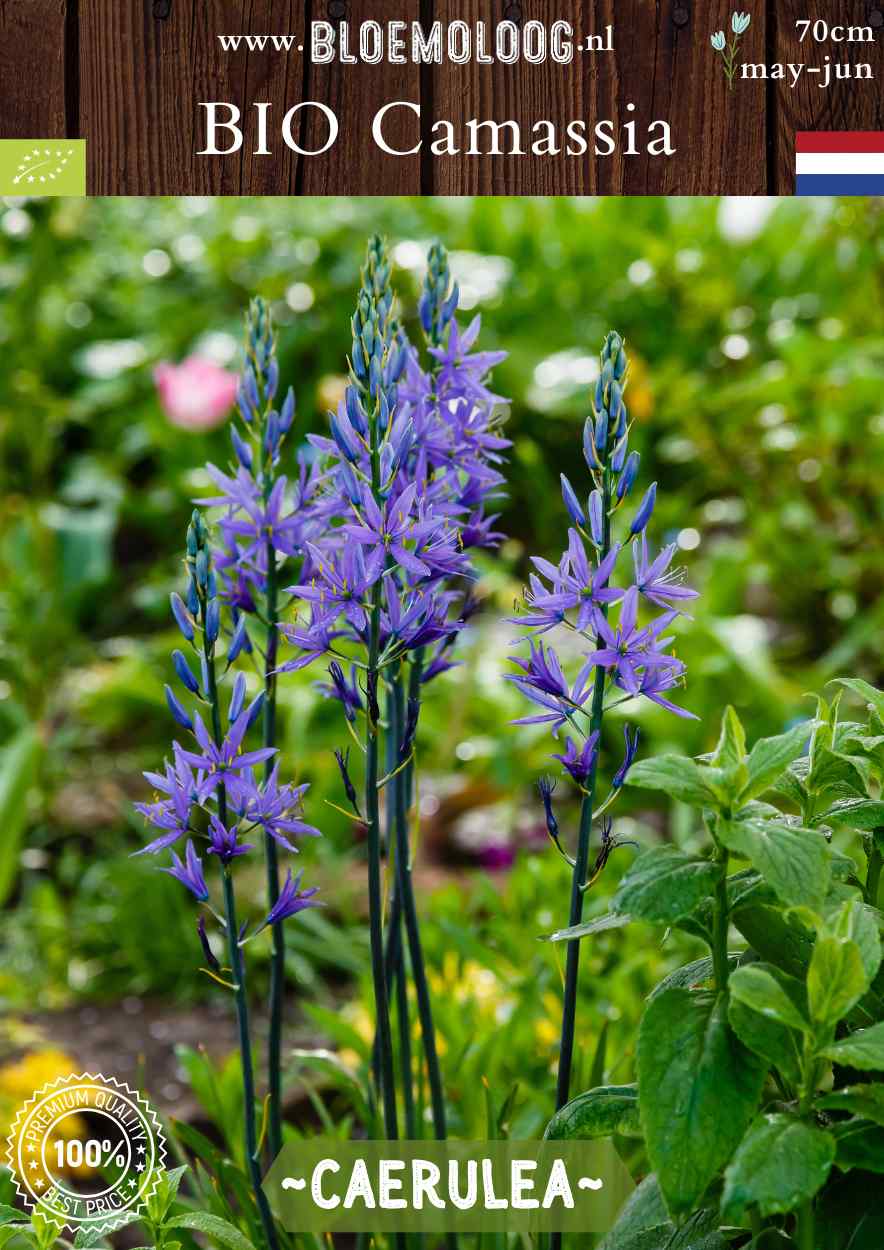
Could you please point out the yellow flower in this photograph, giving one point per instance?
(20, 1080)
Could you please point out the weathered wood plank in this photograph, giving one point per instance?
(663, 64)
(32, 69)
(143, 79)
(846, 105)
(355, 165)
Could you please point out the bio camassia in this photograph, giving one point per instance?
(396, 130)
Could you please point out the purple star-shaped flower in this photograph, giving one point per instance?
(292, 899)
(224, 763)
(656, 581)
(579, 763)
(628, 649)
(341, 581)
(190, 873)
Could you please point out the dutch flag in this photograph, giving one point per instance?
(839, 162)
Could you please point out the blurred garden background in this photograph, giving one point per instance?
(756, 332)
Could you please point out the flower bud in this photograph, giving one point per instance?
(630, 472)
(237, 698)
(213, 621)
(185, 676)
(572, 503)
(182, 617)
(287, 415)
(241, 448)
(597, 518)
(177, 709)
(646, 508)
(239, 639)
(272, 380)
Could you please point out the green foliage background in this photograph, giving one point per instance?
(756, 333)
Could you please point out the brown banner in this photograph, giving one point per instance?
(130, 76)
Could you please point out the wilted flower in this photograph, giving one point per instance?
(197, 394)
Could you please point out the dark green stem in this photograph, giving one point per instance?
(581, 865)
(394, 955)
(405, 885)
(721, 926)
(405, 890)
(384, 1074)
(277, 960)
(805, 1232)
(873, 875)
(237, 968)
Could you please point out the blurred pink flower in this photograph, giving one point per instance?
(197, 394)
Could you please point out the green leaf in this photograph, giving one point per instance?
(863, 1050)
(767, 1011)
(9, 1215)
(859, 922)
(854, 813)
(599, 925)
(836, 980)
(780, 1163)
(163, 1196)
(664, 884)
(692, 976)
(770, 757)
(675, 775)
(763, 988)
(865, 1101)
(597, 1113)
(860, 1145)
(213, 1226)
(840, 773)
(780, 1047)
(731, 746)
(644, 1221)
(778, 938)
(793, 861)
(18, 769)
(874, 698)
(698, 1090)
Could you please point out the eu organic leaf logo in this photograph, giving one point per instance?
(42, 167)
(740, 23)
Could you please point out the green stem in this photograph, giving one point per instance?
(805, 1232)
(721, 926)
(405, 889)
(873, 875)
(581, 862)
(277, 959)
(375, 897)
(245, 1049)
(384, 1070)
(394, 956)
(405, 885)
(237, 968)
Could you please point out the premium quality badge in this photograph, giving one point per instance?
(97, 1180)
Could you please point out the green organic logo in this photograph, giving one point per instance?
(42, 166)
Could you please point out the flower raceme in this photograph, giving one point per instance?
(622, 657)
(209, 791)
